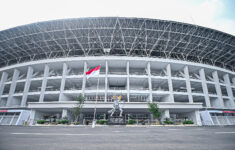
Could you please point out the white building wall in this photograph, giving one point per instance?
(167, 96)
(44, 83)
(62, 85)
(218, 89)
(188, 85)
(10, 99)
(204, 87)
(27, 85)
(229, 90)
(2, 83)
(168, 70)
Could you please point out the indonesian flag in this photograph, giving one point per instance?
(93, 72)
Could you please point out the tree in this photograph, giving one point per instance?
(77, 110)
(153, 108)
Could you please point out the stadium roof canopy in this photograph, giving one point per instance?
(119, 37)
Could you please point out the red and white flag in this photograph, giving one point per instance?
(93, 72)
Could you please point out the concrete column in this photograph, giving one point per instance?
(81, 119)
(188, 84)
(32, 117)
(128, 80)
(170, 85)
(150, 82)
(84, 79)
(64, 113)
(233, 80)
(218, 89)
(198, 118)
(151, 118)
(195, 116)
(44, 83)
(26, 87)
(13, 87)
(229, 90)
(165, 114)
(204, 87)
(106, 81)
(63, 80)
(2, 83)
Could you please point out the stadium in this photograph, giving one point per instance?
(187, 69)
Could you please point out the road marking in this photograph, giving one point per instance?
(174, 129)
(224, 132)
(47, 134)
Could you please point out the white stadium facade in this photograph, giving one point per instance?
(187, 69)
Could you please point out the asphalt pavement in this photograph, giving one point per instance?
(116, 138)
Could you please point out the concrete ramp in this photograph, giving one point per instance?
(13, 117)
(218, 117)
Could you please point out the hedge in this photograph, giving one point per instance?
(101, 121)
(131, 121)
(63, 121)
(41, 121)
(188, 122)
(168, 122)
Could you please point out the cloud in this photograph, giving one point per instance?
(208, 13)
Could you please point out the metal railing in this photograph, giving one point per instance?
(75, 73)
(138, 73)
(73, 88)
(117, 73)
(117, 88)
(158, 74)
(212, 93)
(138, 88)
(159, 89)
(180, 90)
(194, 91)
(20, 91)
(138, 100)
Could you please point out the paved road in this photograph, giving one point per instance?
(117, 138)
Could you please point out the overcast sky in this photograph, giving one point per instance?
(216, 14)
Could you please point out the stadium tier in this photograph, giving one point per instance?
(187, 69)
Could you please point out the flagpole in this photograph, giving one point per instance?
(97, 89)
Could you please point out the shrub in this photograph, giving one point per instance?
(75, 123)
(63, 122)
(131, 121)
(101, 121)
(41, 121)
(188, 122)
(168, 122)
